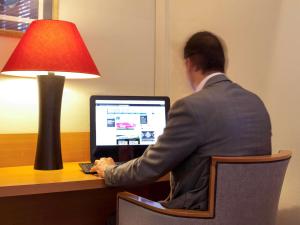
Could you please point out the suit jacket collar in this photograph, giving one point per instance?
(216, 79)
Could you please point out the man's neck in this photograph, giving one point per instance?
(201, 79)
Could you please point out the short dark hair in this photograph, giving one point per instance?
(205, 51)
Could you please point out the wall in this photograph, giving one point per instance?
(262, 40)
(244, 26)
(283, 95)
(120, 37)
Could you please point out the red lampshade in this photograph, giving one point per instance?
(51, 46)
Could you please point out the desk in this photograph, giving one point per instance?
(61, 197)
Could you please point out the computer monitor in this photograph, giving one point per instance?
(122, 127)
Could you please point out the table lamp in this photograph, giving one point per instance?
(50, 50)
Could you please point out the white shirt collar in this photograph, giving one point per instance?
(203, 82)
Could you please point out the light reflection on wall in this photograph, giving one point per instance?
(18, 105)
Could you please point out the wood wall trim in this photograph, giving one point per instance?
(162, 48)
(19, 149)
(55, 9)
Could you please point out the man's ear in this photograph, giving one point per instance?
(189, 65)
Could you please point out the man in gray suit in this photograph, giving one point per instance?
(220, 118)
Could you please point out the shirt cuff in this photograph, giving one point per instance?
(108, 175)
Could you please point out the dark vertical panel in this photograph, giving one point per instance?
(48, 8)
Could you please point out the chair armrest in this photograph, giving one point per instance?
(158, 208)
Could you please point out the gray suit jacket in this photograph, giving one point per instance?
(222, 119)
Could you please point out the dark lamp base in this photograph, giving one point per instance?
(48, 151)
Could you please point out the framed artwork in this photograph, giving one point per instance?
(16, 15)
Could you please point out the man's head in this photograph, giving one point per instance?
(204, 54)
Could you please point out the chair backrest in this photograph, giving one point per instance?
(243, 191)
(246, 190)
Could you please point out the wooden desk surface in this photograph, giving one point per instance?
(24, 180)
(59, 197)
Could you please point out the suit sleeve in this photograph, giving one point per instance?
(180, 138)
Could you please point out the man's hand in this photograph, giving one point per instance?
(101, 164)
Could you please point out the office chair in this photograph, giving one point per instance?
(243, 191)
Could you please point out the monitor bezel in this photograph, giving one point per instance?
(108, 150)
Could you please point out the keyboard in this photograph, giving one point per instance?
(86, 167)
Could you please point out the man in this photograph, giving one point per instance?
(220, 118)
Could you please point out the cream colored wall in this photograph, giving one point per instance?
(263, 41)
(283, 97)
(248, 28)
(120, 37)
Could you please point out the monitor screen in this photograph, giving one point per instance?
(120, 121)
(129, 122)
